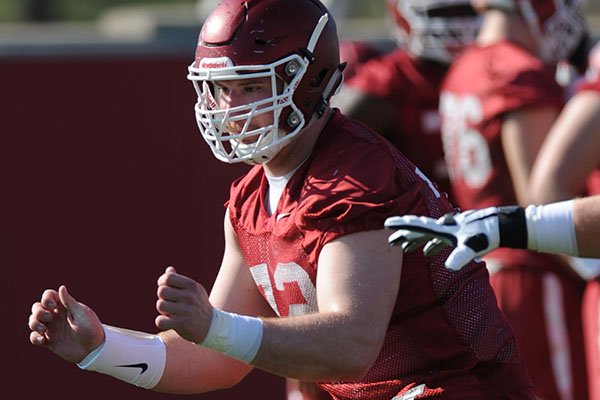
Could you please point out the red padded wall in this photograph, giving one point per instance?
(105, 181)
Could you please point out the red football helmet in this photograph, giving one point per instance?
(557, 25)
(294, 43)
(433, 29)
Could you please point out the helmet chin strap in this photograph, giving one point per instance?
(266, 156)
(334, 85)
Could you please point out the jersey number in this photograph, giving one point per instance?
(285, 274)
(467, 152)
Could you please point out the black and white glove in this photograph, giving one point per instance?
(472, 233)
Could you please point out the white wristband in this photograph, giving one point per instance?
(131, 356)
(237, 336)
(550, 228)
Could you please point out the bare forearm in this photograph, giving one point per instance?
(193, 369)
(317, 347)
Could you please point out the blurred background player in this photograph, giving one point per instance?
(568, 165)
(396, 92)
(498, 101)
(573, 137)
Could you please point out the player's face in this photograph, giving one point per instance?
(230, 94)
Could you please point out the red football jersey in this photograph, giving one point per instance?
(447, 338)
(483, 85)
(412, 85)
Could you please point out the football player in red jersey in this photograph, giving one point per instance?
(498, 102)
(397, 92)
(308, 287)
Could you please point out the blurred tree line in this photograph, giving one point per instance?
(65, 10)
(89, 10)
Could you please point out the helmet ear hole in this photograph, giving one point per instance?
(318, 80)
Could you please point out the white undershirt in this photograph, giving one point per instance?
(275, 190)
(276, 186)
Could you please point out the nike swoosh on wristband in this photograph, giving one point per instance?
(142, 366)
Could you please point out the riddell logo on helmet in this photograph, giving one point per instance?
(222, 62)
